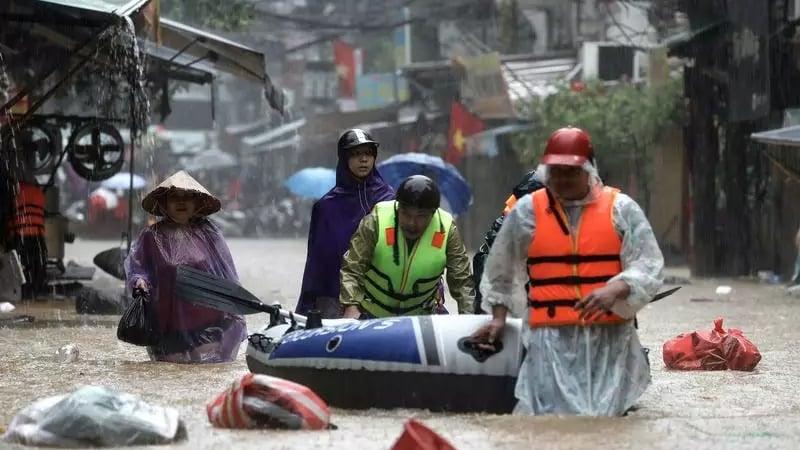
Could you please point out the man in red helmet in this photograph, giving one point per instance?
(588, 259)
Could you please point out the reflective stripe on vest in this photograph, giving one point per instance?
(565, 267)
(28, 216)
(409, 287)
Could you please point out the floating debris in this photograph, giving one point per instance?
(68, 353)
(723, 290)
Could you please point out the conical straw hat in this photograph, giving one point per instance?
(207, 204)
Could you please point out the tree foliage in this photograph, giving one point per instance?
(228, 15)
(510, 27)
(378, 53)
(625, 122)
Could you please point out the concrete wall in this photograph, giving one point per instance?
(778, 221)
(666, 205)
(492, 180)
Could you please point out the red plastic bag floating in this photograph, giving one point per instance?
(711, 350)
(417, 436)
(262, 401)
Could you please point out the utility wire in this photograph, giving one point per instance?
(364, 26)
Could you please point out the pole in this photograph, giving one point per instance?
(130, 195)
(134, 133)
(407, 35)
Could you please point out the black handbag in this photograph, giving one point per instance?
(138, 324)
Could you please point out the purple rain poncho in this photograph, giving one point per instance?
(190, 334)
(334, 219)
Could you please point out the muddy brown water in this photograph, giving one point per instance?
(735, 410)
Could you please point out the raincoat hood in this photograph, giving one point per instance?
(595, 183)
(347, 183)
(208, 203)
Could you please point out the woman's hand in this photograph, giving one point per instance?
(141, 285)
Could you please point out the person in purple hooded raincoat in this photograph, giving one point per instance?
(187, 333)
(335, 217)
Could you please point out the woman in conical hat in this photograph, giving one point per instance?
(184, 236)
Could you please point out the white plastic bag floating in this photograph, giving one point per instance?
(68, 353)
(94, 416)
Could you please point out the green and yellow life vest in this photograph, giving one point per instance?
(408, 288)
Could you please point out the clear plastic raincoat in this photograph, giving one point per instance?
(188, 333)
(574, 370)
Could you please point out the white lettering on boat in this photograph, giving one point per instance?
(375, 325)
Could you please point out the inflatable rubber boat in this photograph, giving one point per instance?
(400, 362)
(403, 362)
(412, 362)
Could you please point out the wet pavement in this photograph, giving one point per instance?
(680, 409)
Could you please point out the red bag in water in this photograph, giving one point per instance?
(416, 436)
(711, 350)
(262, 401)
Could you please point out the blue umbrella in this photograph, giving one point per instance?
(455, 189)
(122, 181)
(311, 182)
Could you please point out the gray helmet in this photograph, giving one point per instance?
(418, 191)
(353, 138)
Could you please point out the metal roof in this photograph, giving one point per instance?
(223, 54)
(789, 136)
(118, 7)
(526, 79)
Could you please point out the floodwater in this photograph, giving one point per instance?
(680, 410)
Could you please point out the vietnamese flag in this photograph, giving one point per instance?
(462, 125)
(344, 57)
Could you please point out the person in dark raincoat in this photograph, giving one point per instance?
(529, 183)
(187, 333)
(335, 217)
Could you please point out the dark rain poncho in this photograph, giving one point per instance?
(334, 219)
(189, 333)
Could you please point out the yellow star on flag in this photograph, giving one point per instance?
(458, 140)
(342, 70)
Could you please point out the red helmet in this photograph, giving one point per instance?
(568, 147)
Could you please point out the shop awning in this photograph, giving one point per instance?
(117, 7)
(186, 52)
(78, 17)
(223, 54)
(179, 67)
(679, 42)
(268, 136)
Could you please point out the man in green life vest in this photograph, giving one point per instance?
(399, 253)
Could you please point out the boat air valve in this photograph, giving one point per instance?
(470, 347)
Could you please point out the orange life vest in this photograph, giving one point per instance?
(28, 216)
(565, 265)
